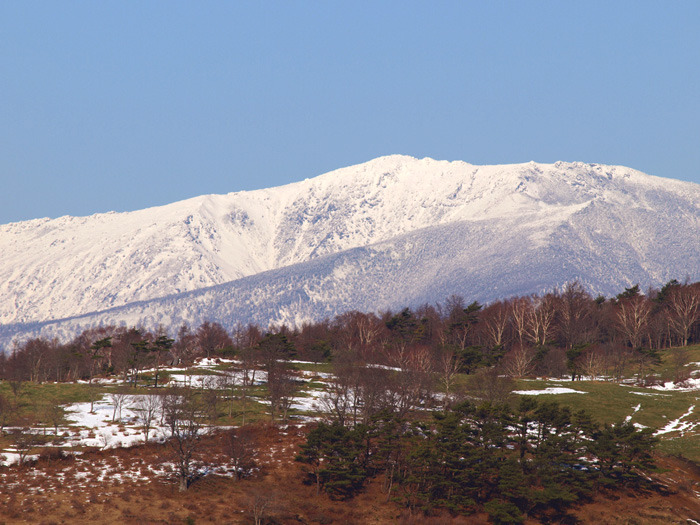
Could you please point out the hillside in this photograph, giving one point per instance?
(393, 231)
(107, 471)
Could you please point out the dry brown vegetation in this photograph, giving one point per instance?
(463, 349)
(130, 486)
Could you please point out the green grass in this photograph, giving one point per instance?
(667, 366)
(254, 411)
(607, 402)
(32, 394)
(313, 367)
(610, 402)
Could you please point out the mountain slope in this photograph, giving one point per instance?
(383, 234)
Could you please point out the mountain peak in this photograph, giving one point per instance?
(390, 209)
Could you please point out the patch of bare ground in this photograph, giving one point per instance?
(675, 498)
(135, 486)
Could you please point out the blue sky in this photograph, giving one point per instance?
(124, 105)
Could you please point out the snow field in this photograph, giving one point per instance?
(548, 390)
(311, 249)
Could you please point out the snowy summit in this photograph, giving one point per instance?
(396, 231)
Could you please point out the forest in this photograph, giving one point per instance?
(560, 333)
(417, 402)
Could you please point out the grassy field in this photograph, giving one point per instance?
(606, 401)
(610, 402)
(98, 473)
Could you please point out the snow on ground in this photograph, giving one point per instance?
(648, 394)
(578, 378)
(634, 411)
(311, 403)
(101, 381)
(9, 457)
(548, 390)
(212, 362)
(193, 380)
(678, 425)
(206, 363)
(689, 385)
(384, 367)
(98, 430)
(311, 375)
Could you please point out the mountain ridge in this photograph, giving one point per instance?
(60, 268)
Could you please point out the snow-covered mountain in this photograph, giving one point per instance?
(392, 232)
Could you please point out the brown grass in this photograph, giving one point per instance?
(59, 490)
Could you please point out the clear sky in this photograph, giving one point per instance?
(118, 105)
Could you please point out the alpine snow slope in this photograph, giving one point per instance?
(392, 232)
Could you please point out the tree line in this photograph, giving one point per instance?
(555, 334)
(534, 459)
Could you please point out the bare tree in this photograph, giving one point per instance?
(520, 312)
(17, 388)
(680, 357)
(147, 408)
(261, 503)
(209, 399)
(211, 337)
(185, 346)
(684, 310)
(340, 391)
(170, 403)
(632, 318)
(619, 358)
(281, 387)
(554, 363)
(7, 410)
(184, 418)
(23, 441)
(249, 363)
(592, 362)
(119, 401)
(574, 312)
(93, 395)
(52, 414)
(36, 353)
(122, 354)
(372, 392)
(519, 362)
(488, 385)
(241, 446)
(539, 320)
(448, 366)
(495, 320)
(228, 383)
(412, 386)
(359, 332)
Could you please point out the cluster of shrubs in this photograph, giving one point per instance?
(536, 460)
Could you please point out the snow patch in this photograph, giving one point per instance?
(678, 425)
(548, 390)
